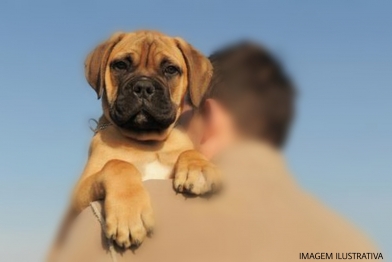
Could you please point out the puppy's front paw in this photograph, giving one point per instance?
(129, 218)
(194, 174)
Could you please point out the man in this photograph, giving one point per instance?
(261, 214)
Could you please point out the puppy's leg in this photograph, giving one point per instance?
(128, 212)
(194, 174)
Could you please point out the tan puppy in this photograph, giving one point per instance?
(142, 78)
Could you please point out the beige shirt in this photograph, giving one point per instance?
(261, 215)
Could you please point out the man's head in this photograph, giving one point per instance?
(143, 77)
(249, 96)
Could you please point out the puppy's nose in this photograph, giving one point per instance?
(144, 89)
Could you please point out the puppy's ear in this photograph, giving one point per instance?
(199, 71)
(96, 62)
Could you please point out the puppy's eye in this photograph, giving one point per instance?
(120, 65)
(171, 70)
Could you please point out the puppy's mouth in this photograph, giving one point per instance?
(143, 118)
(143, 121)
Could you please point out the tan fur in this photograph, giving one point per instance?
(118, 158)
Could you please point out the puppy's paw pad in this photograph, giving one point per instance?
(196, 175)
(128, 221)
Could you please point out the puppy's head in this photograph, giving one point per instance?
(143, 77)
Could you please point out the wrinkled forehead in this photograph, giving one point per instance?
(146, 47)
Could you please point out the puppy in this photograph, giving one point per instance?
(143, 79)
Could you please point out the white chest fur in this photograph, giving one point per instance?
(156, 170)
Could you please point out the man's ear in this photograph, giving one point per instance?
(96, 62)
(199, 71)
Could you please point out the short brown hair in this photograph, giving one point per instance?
(252, 85)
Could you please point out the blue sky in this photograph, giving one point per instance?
(338, 52)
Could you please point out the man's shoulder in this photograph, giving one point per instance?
(85, 240)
